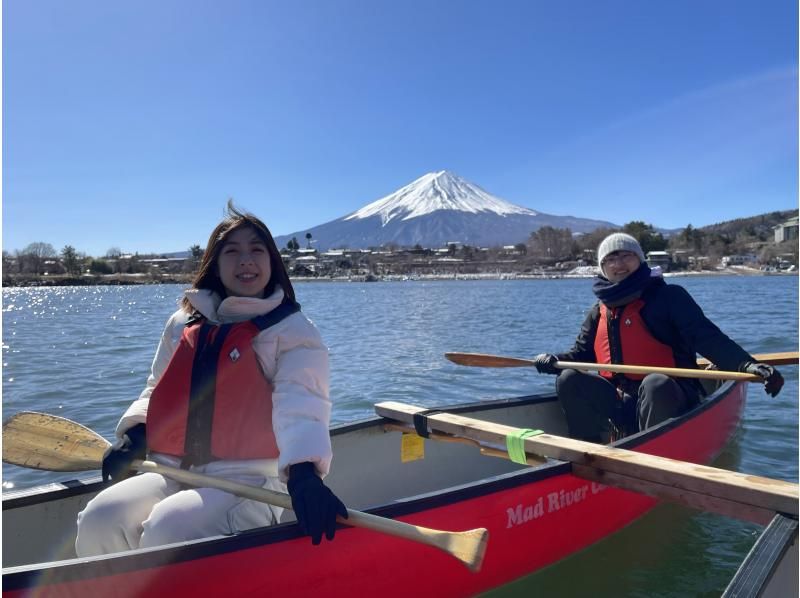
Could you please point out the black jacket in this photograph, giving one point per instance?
(674, 319)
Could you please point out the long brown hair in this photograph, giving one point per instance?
(208, 277)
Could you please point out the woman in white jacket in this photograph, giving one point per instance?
(238, 390)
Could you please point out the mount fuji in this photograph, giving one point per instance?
(435, 209)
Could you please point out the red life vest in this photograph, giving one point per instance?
(637, 345)
(213, 401)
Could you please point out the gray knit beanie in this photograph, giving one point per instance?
(618, 242)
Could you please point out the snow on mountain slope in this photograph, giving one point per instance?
(437, 208)
(434, 191)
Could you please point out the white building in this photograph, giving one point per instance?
(659, 258)
(737, 260)
(787, 230)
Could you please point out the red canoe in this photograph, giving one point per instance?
(535, 517)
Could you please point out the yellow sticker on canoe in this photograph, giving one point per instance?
(412, 448)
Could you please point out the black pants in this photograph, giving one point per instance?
(591, 404)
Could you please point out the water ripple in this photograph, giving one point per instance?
(84, 353)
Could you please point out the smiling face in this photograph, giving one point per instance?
(618, 265)
(243, 264)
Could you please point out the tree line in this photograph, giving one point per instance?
(42, 258)
(743, 236)
(546, 246)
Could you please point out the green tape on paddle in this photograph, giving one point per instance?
(515, 444)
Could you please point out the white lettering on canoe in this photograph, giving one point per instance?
(565, 498)
(520, 514)
(550, 503)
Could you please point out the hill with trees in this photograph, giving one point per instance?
(743, 236)
(547, 250)
(753, 236)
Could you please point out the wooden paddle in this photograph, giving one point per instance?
(729, 493)
(499, 361)
(782, 358)
(52, 443)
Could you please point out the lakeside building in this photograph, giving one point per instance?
(680, 257)
(163, 261)
(699, 261)
(454, 258)
(659, 258)
(787, 231)
(738, 260)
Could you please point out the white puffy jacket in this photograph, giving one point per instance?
(293, 359)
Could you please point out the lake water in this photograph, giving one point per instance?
(84, 353)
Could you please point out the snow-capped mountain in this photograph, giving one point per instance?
(436, 191)
(435, 209)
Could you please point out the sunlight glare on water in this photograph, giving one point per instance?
(84, 353)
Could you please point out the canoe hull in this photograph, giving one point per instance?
(770, 570)
(535, 517)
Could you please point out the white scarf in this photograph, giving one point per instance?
(231, 309)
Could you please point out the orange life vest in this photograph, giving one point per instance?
(213, 401)
(637, 346)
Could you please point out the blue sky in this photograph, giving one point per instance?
(129, 124)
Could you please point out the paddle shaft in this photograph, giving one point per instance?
(781, 358)
(645, 370)
(52, 443)
(442, 540)
(499, 361)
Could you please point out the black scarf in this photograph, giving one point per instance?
(614, 294)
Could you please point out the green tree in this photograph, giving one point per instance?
(71, 261)
(691, 239)
(648, 237)
(100, 267)
(193, 263)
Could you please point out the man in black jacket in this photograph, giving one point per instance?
(640, 320)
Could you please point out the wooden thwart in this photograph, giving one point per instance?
(489, 451)
(733, 494)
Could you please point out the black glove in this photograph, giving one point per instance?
(117, 462)
(773, 381)
(314, 505)
(546, 363)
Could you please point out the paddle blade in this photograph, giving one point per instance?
(487, 361)
(51, 443)
(470, 547)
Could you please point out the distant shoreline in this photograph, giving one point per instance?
(133, 279)
(90, 281)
